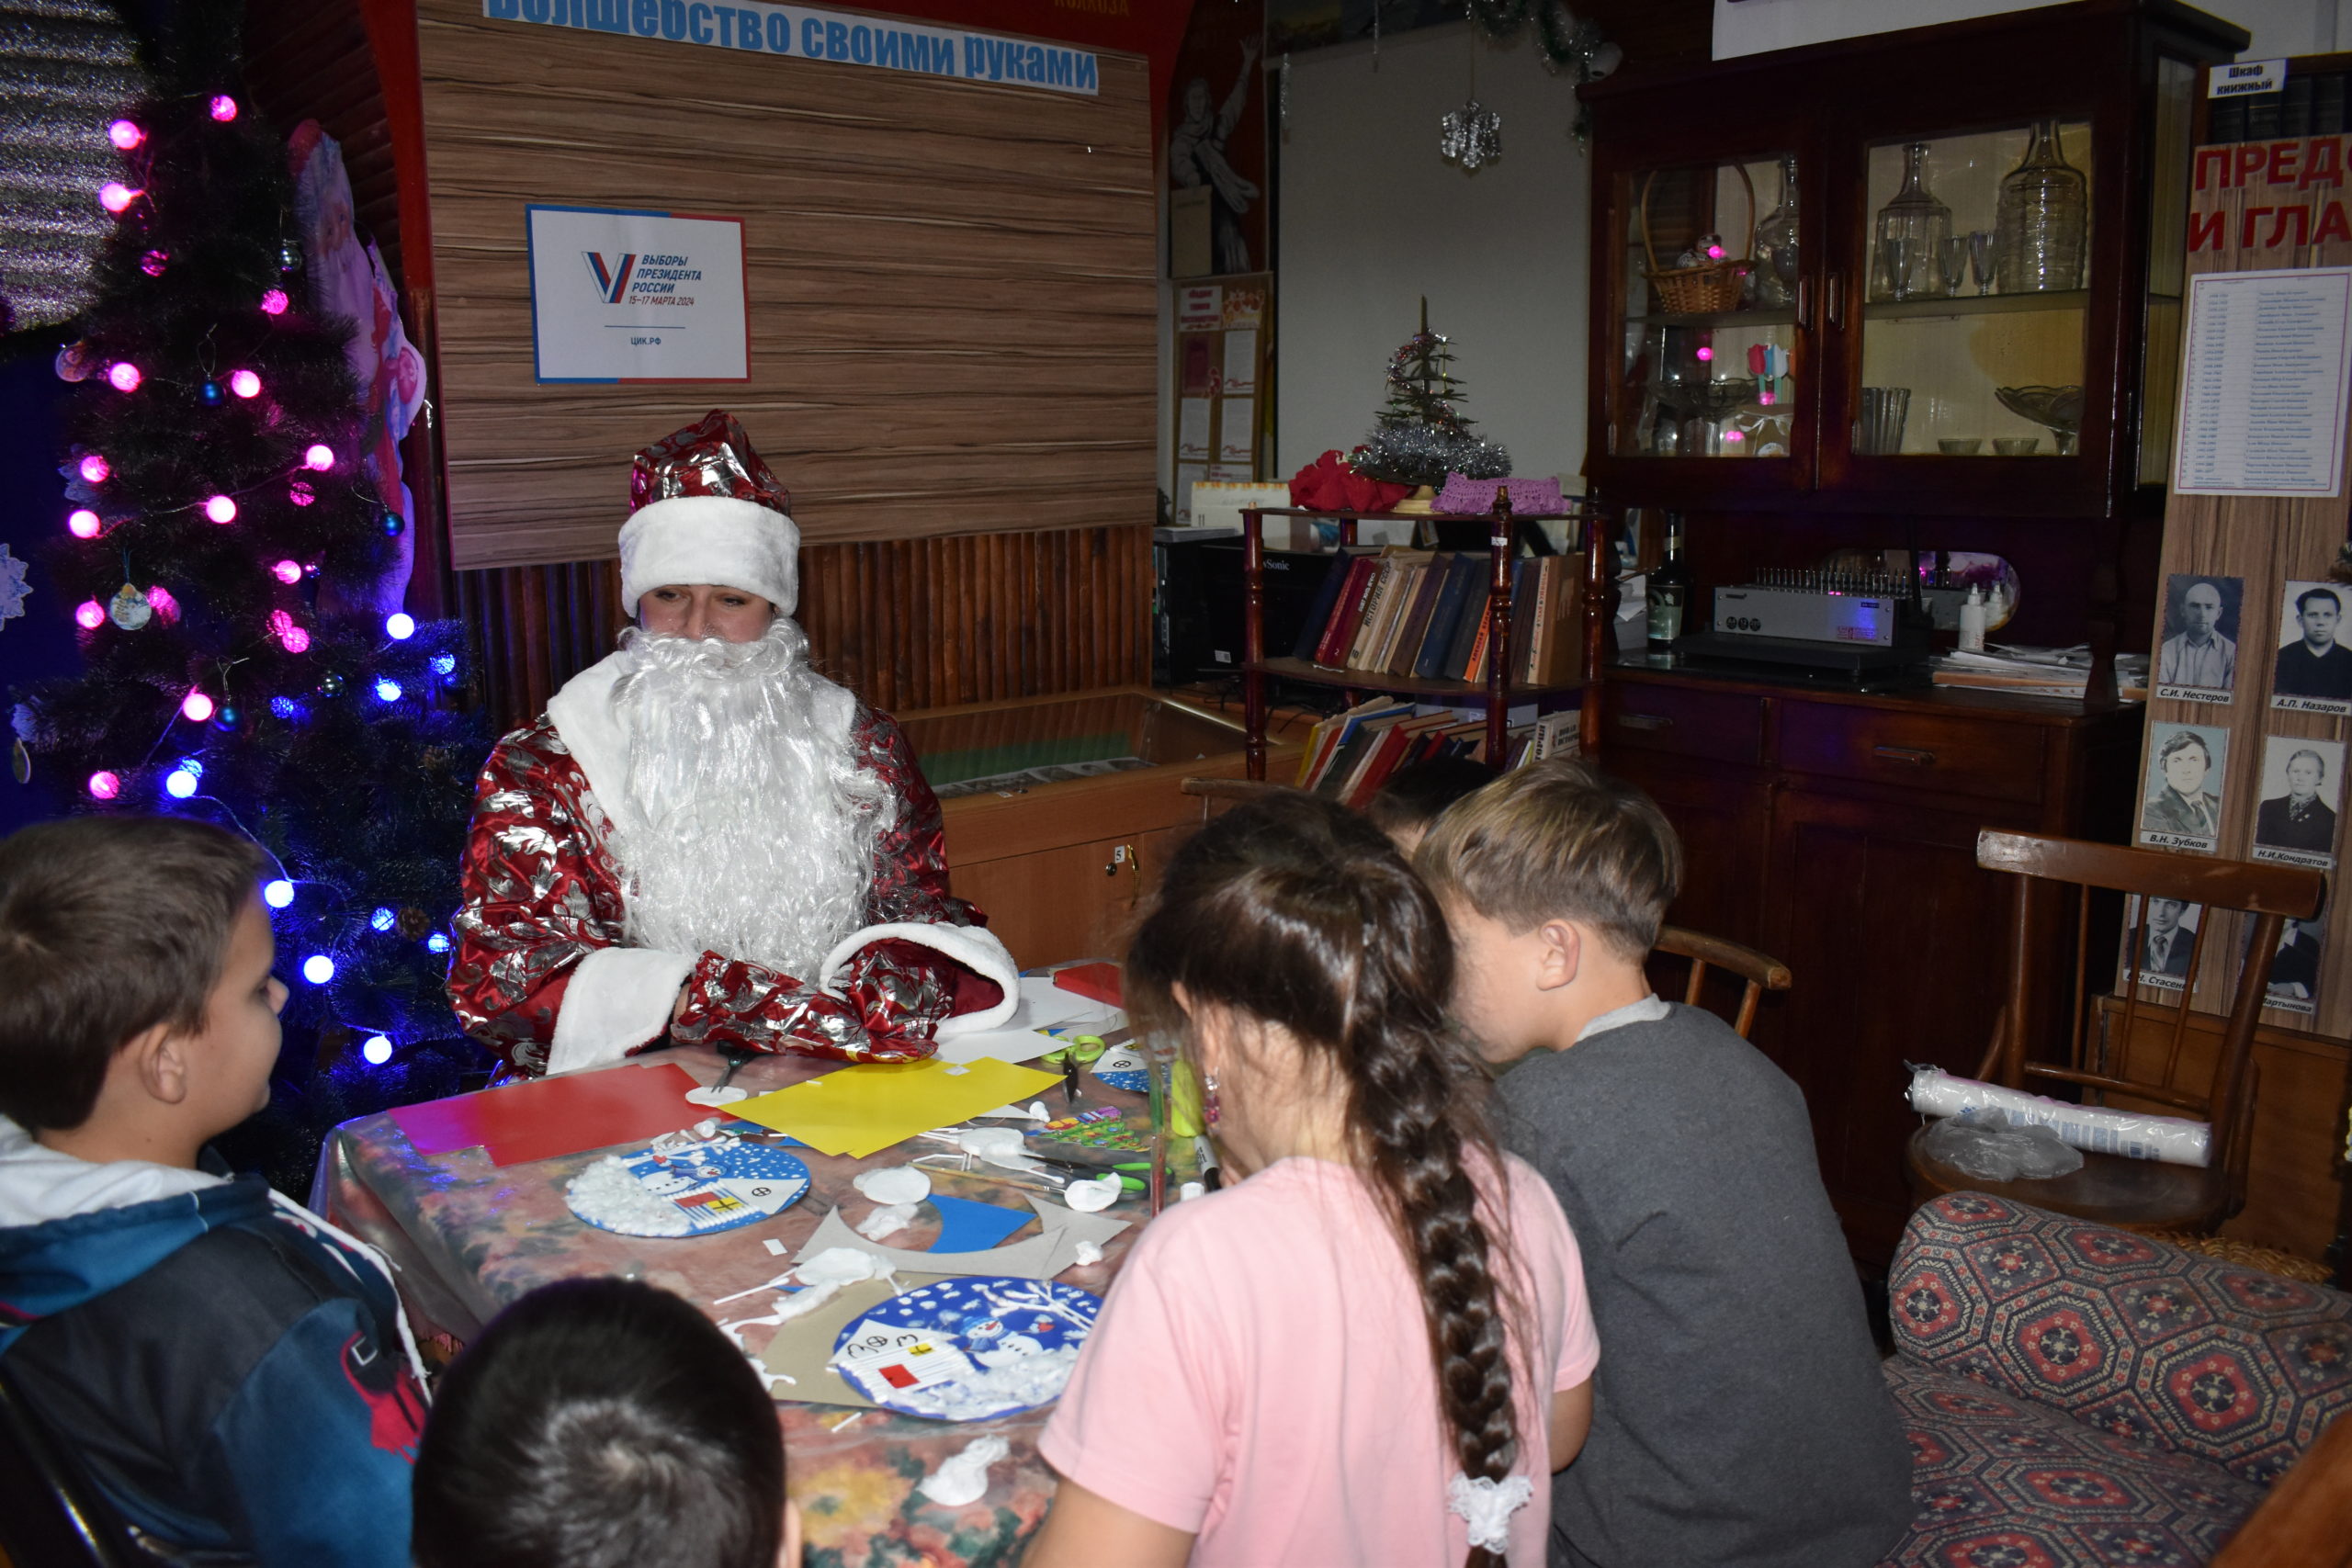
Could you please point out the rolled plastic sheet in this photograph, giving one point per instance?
(2172, 1139)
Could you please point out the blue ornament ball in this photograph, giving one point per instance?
(211, 394)
(393, 523)
(226, 716)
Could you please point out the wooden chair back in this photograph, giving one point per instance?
(1762, 972)
(2271, 895)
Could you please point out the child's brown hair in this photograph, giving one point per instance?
(108, 926)
(1559, 841)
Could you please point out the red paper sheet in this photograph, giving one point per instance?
(550, 1117)
(1098, 981)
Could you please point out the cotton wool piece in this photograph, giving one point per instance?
(894, 1184)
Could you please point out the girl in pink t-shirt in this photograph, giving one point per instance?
(1376, 1348)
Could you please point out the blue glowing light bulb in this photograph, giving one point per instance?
(285, 707)
(381, 920)
(179, 783)
(377, 1049)
(387, 691)
(444, 664)
(318, 969)
(400, 626)
(438, 943)
(277, 893)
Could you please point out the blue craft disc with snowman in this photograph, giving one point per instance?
(1124, 1067)
(679, 1189)
(967, 1349)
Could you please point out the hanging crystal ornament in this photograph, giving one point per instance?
(129, 608)
(1470, 136)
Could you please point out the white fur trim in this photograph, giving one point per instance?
(711, 538)
(582, 713)
(618, 998)
(977, 948)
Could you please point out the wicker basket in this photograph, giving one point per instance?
(1709, 285)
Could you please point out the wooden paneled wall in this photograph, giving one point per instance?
(905, 624)
(953, 284)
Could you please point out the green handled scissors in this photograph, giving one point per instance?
(1081, 1050)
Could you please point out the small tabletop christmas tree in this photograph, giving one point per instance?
(214, 507)
(1422, 436)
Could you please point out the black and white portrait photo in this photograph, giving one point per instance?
(2197, 660)
(2294, 967)
(2168, 937)
(2182, 807)
(2302, 786)
(2314, 669)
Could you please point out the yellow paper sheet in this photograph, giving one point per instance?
(861, 1109)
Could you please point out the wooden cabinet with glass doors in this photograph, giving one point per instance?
(1938, 270)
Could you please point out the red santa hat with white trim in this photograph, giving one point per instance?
(704, 508)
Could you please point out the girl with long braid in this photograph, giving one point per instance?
(1374, 1349)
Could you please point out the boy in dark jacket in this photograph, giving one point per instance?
(231, 1371)
(1739, 1419)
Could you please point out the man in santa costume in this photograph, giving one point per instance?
(703, 839)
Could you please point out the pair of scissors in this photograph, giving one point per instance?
(1076, 1052)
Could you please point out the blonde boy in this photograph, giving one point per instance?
(1739, 1419)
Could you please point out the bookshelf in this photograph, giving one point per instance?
(1495, 692)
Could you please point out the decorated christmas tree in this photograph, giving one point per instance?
(227, 556)
(1422, 436)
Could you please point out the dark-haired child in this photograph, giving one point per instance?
(1374, 1347)
(602, 1424)
(228, 1369)
(1740, 1420)
(1414, 798)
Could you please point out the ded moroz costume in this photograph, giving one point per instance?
(712, 829)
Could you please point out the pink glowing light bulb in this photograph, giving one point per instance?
(245, 383)
(319, 458)
(220, 509)
(290, 572)
(95, 469)
(123, 376)
(293, 638)
(272, 302)
(103, 785)
(160, 600)
(116, 196)
(82, 523)
(300, 494)
(124, 135)
(196, 708)
(153, 263)
(224, 108)
(89, 615)
(1732, 437)
(1768, 397)
(1705, 355)
(1715, 253)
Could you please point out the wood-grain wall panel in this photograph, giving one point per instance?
(905, 624)
(952, 288)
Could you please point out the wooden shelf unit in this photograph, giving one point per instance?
(1495, 692)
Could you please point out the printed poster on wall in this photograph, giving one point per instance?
(620, 294)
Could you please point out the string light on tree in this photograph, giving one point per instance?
(224, 108)
(272, 302)
(180, 782)
(95, 470)
(220, 509)
(104, 784)
(289, 572)
(123, 376)
(277, 893)
(153, 263)
(400, 626)
(245, 383)
(317, 458)
(89, 615)
(318, 969)
(377, 1050)
(124, 135)
(116, 196)
(82, 522)
(196, 708)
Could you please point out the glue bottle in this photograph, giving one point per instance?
(1971, 621)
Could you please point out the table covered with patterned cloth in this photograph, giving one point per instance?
(469, 1237)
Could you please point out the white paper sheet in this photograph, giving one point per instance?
(1241, 363)
(1192, 430)
(1236, 436)
(1042, 1005)
(2264, 383)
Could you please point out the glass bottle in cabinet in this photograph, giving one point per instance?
(1909, 242)
(1989, 370)
(1706, 369)
(1773, 283)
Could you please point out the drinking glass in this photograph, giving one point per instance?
(1952, 258)
(1981, 259)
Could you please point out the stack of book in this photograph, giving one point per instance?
(2040, 671)
(1396, 612)
(1349, 755)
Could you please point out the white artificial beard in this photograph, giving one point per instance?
(746, 824)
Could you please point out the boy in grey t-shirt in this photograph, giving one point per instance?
(1739, 1417)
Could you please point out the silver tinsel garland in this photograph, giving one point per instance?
(1415, 453)
(67, 68)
